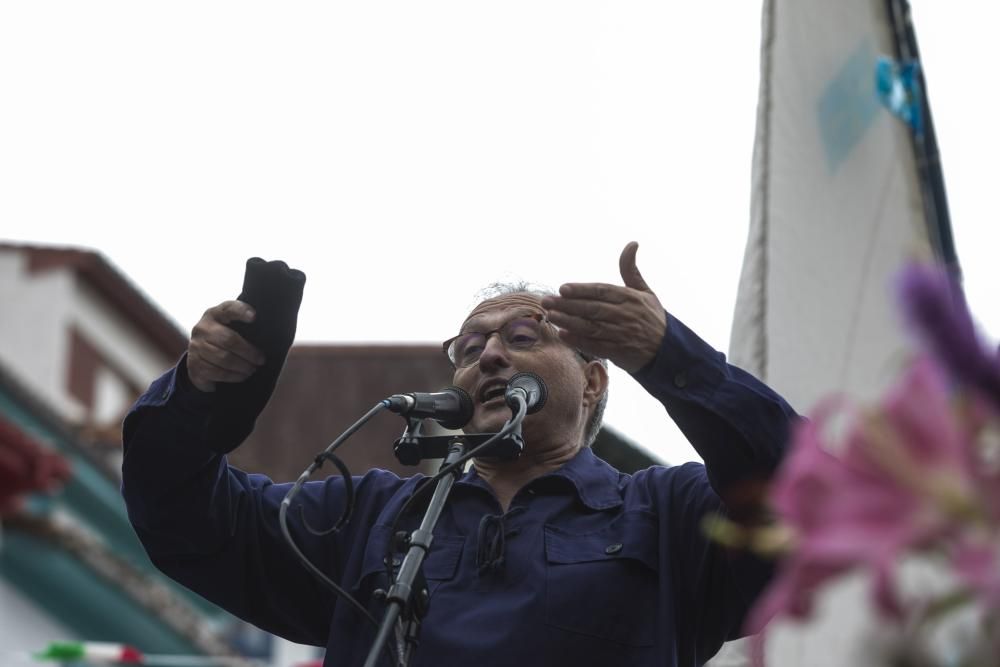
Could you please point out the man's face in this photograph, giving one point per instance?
(559, 366)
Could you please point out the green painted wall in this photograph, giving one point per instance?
(73, 595)
(67, 589)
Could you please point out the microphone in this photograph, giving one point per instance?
(530, 387)
(452, 407)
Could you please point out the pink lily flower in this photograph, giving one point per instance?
(901, 480)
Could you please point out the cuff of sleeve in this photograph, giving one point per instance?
(685, 365)
(183, 395)
(174, 401)
(174, 389)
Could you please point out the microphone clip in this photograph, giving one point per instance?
(414, 446)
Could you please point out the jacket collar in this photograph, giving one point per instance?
(596, 482)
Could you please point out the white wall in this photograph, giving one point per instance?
(25, 628)
(116, 338)
(34, 312)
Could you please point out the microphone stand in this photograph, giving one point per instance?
(403, 606)
(400, 598)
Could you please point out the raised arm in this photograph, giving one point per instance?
(214, 528)
(738, 425)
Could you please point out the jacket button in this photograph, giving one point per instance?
(612, 549)
(680, 380)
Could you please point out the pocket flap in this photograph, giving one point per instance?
(441, 562)
(630, 536)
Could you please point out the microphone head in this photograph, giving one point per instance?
(451, 407)
(463, 410)
(535, 391)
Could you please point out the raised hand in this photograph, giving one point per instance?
(216, 353)
(623, 324)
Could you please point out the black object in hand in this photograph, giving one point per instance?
(275, 292)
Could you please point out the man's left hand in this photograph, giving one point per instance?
(623, 324)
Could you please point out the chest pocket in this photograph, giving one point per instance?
(604, 584)
(440, 563)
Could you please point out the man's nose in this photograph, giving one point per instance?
(494, 354)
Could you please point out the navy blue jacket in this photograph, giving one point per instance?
(588, 566)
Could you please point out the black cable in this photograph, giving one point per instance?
(345, 516)
(327, 454)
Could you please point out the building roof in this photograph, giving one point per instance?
(113, 285)
(323, 389)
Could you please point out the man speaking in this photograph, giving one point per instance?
(553, 558)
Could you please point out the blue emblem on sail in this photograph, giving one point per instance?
(848, 106)
(898, 86)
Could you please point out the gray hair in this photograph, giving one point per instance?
(498, 289)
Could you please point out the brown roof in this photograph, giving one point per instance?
(323, 389)
(114, 286)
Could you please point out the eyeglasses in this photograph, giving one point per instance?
(520, 333)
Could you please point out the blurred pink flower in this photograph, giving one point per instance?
(918, 473)
(896, 483)
(977, 566)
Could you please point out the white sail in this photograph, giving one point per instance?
(837, 206)
(840, 202)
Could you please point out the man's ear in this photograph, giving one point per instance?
(596, 376)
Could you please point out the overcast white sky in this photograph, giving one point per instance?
(405, 154)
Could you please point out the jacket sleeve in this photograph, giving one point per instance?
(741, 428)
(737, 424)
(215, 529)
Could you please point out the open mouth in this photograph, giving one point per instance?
(492, 391)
